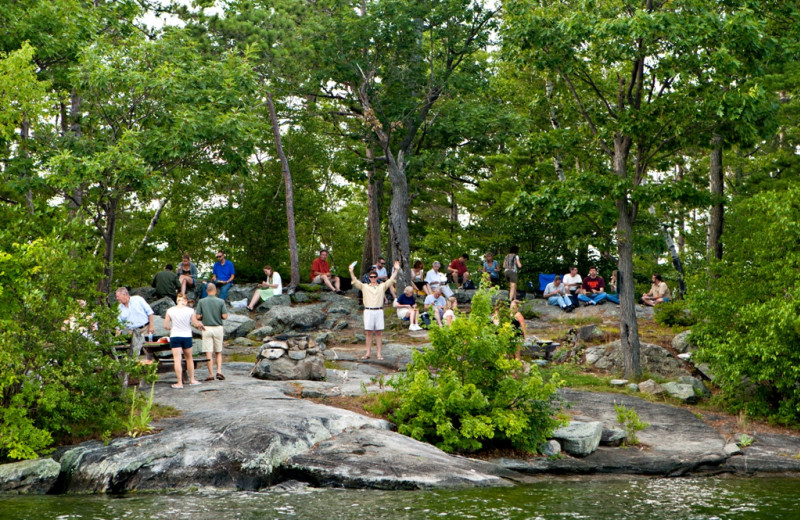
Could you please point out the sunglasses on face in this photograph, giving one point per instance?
(373, 276)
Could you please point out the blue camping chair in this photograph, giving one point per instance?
(545, 279)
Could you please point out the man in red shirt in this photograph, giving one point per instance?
(321, 273)
(458, 270)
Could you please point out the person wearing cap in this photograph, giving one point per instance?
(373, 294)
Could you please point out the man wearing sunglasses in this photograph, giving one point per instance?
(373, 306)
(224, 274)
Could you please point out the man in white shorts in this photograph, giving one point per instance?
(373, 305)
(211, 311)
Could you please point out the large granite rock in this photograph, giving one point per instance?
(161, 306)
(148, 293)
(681, 342)
(237, 325)
(241, 291)
(699, 387)
(246, 434)
(306, 317)
(295, 358)
(681, 391)
(579, 438)
(29, 476)
(281, 300)
(657, 360)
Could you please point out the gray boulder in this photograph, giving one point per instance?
(697, 385)
(633, 387)
(579, 438)
(654, 358)
(294, 318)
(681, 391)
(590, 333)
(29, 476)
(613, 437)
(286, 369)
(651, 387)
(161, 306)
(237, 325)
(398, 355)
(281, 300)
(158, 327)
(148, 293)
(464, 296)
(241, 291)
(682, 344)
(705, 371)
(261, 333)
(550, 448)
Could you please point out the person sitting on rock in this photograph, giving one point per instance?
(321, 273)
(436, 279)
(611, 294)
(659, 292)
(373, 294)
(573, 281)
(450, 310)
(187, 274)
(556, 294)
(594, 288)
(458, 270)
(436, 303)
(418, 277)
(270, 287)
(166, 283)
(406, 307)
(380, 268)
(223, 274)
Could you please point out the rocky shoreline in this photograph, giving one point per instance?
(248, 434)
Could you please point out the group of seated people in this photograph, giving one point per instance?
(570, 290)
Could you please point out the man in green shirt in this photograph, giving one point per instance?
(166, 283)
(211, 311)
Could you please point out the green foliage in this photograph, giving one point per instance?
(468, 390)
(745, 441)
(747, 310)
(674, 313)
(57, 379)
(139, 415)
(629, 419)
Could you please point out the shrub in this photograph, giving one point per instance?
(674, 313)
(748, 328)
(55, 383)
(629, 419)
(468, 390)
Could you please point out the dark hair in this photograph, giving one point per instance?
(323, 251)
(381, 258)
(465, 256)
(514, 250)
(220, 251)
(268, 267)
(658, 277)
(418, 264)
(593, 267)
(186, 256)
(168, 267)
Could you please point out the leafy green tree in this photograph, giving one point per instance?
(642, 75)
(747, 311)
(468, 391)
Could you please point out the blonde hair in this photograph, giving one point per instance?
(408, 289)
(452, 303)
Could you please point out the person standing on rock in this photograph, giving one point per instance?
(511, 267)
(211, 312)
(373, 306)
(179, 321)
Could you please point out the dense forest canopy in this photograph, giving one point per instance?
(638, 135)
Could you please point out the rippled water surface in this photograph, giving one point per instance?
(646, 499)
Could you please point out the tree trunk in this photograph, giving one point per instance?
(109, 237)
(287, 181)
(372, 239)
(399, 242)
(628, 327)
(559, 167)
(716, 185)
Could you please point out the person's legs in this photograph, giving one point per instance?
(336, 282)
(379, 342)
(412, 316)
(613, 298)
(208, 350)
(219, 364)
(512, 291)
(427, 289)
(254, 300)
(223, 291)
(326, 280)
(369, 344)
(585, 299)
(555, 300)
(187, 355)
(204, 293)
(219, 333)
(601, 297)
(176, 359)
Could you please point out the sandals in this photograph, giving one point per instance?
(220, 377)
(195, 383)
(209, 378)
(177, 386)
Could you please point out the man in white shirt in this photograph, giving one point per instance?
(137, 316)
(573, 281)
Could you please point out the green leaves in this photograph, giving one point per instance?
(468, 392)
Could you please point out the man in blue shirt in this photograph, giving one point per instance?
(224, 274)
(134, 315)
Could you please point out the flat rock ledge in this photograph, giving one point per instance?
(248, 434)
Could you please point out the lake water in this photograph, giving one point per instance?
(555, 498)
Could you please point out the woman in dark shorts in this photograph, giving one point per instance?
(179, 321)
(418, 277)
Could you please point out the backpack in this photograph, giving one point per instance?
(469, 285)
(510, 263)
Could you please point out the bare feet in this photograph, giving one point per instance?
(366, 356)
